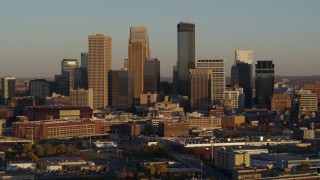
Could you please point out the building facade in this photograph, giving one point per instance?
(200, 89)
(151, 75)
(121, 89)
(173, 128)
(39, 88)
(186, 56)
(138, 52)
(100, 62)
(264, 82)
(8, 90)
(308, 102)
(280, 102)
(218, 77)
(82, 97)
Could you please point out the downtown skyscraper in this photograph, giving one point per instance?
(100, 62)
(186, 56)
(241, 73)
(138, 52)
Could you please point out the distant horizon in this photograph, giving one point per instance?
(37, 35)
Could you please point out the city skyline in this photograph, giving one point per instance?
(37, 35)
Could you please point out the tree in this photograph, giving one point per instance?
(304, 165)
(17, 156)
(23, 155)
(27, 147)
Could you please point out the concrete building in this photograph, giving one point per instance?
(186, 56)
(200, 89)
(121, 89)
(308, 102)
(8, 89)
(151, 75)
(53, 129)
(314, 87)
(264, 83)
(173, 128)
(218, 77)
(303, 133)
(280, 102)
(148, 99)
(35, 113)
(232, 121)
(58, 100)
(227, 159)
(138, 52)
(203, 122)
(39, 88)
(82, 97)
(234, 98)
(100, 62)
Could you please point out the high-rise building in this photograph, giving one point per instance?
(234, 99)
(138, 51)
(243, 78)
(245, 56)
(80, 78)
(200, 89)
(280, 102)
(308, 102)
(314, 87)
(82, 97)
(125, 64)
(85, 60)
(151, 75)
(39, 88)
(264, 83)
(68, 65)
(234, 76)
(100, 62)
(186, 56)
(63, 84)
(243, 71)
(218, 77)
(121, 89)
(8, 90)
(175, 80)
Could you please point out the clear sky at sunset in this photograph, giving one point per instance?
(35, 35)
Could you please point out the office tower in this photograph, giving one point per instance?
(308, 102)
(218, 77)
(82, 97)
(186, 56)
(84, 60)
(234, 76)
(100, 62)
(138, 51)
(200, 89)
(80, 78)
(243, 62)
(8, 90)
(65, 81)
(39, 88)
(245, 56)
(121, 89)
(151, 75)
(175, 80)
(68, 65)
(63, 84)
(264, 82)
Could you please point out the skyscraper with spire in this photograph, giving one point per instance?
(186, 56)
(138, 52)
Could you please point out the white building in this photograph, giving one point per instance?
(245, 56)
(308, 102)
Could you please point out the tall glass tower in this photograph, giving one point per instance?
(264, 82)
(186, 56)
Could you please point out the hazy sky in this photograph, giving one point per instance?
(36, 35)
